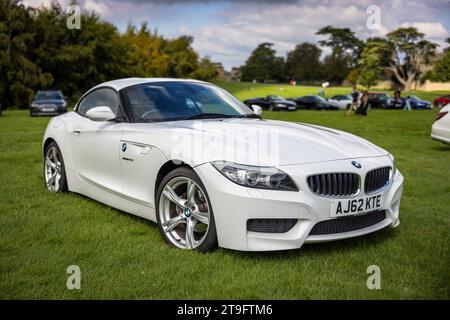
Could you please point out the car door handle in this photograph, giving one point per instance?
(76, 132)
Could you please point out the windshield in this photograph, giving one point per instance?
(167, 101)
(319, 99)
(378, 95)
(275, 98)
(49, 95)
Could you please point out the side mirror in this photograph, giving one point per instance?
(101, 113)
(256, 109)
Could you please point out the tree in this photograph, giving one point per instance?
(263, 64)
(370, 68)
(19, 74)
(147, 50)
(335, 68)
(353, 76)
(38, 51)
(206, 70)
(183, 61)
(303, 63)
(409, 55)
(79, 59)
(345, 51)
(442, 69)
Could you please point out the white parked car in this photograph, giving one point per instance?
(204, 166)
(441, 127)
(343, 102)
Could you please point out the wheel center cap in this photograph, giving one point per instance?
(187, 212)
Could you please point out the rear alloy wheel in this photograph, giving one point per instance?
(54, 172)
(184, 213)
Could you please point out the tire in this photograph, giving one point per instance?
(54, 170)
(176, 215)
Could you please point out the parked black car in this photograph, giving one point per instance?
(272, 102)
(313, 102)
(48, 103)
(378, 100)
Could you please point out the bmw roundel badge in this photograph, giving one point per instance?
(124, 147)
(356, 164)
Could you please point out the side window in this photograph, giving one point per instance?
(100, 97)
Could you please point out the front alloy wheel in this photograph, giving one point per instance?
(184, 212)
(54, 173)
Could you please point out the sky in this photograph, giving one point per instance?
(228, 31)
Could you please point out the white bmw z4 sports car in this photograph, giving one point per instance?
(210, 172)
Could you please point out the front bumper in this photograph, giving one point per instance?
(47, 110)
(38, 112)
(285, 107)
(233, 205)
(440, 132)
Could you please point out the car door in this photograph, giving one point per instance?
(95, 145)
(300, 102)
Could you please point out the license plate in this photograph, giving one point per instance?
(291, 108)
(48, 109)
(348, 207)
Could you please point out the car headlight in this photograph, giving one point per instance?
(394, 168)
(34, 105)
(281, 105)
(256, 177)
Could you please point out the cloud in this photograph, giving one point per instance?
(228, 31)
(430, 29)
(245, 25)
(101, 8)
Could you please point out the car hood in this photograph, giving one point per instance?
(250, 141)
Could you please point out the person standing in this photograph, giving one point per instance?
(354, 105)
(362, 110)
(407, 106)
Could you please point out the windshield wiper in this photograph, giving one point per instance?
(249, 115)
(220, 115)
(208, 116)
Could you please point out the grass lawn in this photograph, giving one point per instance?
(122, 256)
(246, 90)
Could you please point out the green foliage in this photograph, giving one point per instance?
(353, 76)
(18, 72)
(341, 40)
(263, 65)
(442, 70)
(206, 70)
(345, 50)
(417, 54)
(38, 51)
(303, 63)
(370, 63)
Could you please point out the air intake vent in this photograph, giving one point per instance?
(377, 179)
(347, 224)
(334, 184)
(270, 225)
